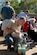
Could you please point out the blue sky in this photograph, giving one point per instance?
(4, 0)
(19, 0)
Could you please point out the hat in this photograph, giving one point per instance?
(22, 14)
(22, 17)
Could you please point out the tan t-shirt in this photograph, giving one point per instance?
(9, 24)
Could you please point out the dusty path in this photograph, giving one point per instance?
(3, 50)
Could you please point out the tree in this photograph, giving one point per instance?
(29, 4)
(15, 4)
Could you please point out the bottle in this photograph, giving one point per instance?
(19, 50)
(23, 49)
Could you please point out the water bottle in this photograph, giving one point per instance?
(23, 49)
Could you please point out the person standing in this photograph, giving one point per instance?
(7, 11)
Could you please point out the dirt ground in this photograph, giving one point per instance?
(3, 49)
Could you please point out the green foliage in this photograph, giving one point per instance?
(31, 5)
(15, 4)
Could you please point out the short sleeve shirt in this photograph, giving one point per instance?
(7, 11)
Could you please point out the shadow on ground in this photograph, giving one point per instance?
(5, 52)
(2, 42)
(34, 54)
